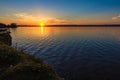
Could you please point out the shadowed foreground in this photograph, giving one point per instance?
(16, 65)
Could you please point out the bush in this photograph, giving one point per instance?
(8, 56)
(30, 71)
(2, 25)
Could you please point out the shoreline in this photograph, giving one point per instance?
(17, 65)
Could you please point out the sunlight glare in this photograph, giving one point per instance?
(42, 23)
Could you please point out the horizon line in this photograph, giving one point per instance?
(24, 25)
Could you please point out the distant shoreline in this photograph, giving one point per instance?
(69, 25)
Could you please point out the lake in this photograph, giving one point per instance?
(77, 53)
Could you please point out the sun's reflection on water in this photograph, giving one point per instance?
(42, 29)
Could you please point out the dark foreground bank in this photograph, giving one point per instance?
(15, 65)
(6, 38)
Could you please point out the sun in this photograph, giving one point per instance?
(42, 23)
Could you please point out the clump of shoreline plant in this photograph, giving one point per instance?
(15, 65)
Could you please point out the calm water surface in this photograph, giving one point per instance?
(76, 53)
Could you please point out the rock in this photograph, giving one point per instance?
(5, 35)
(6, 38)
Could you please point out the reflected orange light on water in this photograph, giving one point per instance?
(42, 29)
(42, 24)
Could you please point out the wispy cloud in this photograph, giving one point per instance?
(116, 17)
(56, 21)
(27, 18)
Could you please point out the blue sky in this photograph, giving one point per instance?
(60, 11)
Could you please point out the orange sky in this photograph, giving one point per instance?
(33, 12)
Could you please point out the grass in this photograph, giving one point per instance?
(15, 65)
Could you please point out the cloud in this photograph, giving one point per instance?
(25, 18)
(57, 21)
(116, 17)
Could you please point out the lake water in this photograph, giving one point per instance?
(77, 53)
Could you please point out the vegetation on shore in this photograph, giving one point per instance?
(16, 65)
(12, 25)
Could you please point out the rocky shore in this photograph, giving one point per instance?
(6, 38)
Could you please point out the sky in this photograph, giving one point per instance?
(33, 12)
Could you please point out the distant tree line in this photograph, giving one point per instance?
(12, 25)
